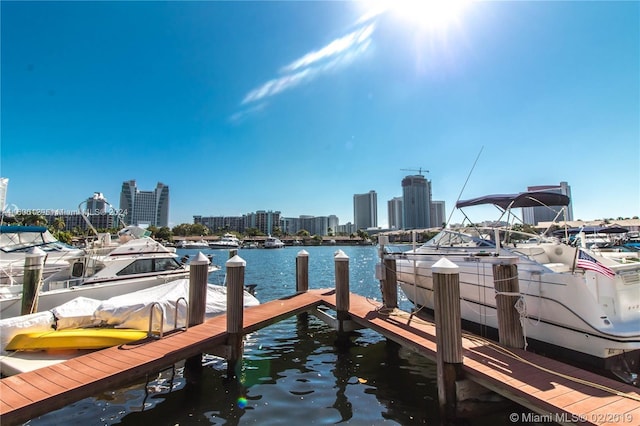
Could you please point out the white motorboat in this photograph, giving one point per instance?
(574, 302)
(272, 242)
(226, 241)
(136, 262)
(193, 245)
(17, 241)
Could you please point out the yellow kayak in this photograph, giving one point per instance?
(75, 338)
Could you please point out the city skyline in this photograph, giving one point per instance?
(367, 203)
(296, 106)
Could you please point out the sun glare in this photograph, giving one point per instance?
(434, 15)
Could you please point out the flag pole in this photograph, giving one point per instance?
(575, 259)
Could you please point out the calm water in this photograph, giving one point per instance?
(291, 373)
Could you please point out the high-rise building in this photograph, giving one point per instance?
(395, 214)
(222, 223)
(265, 221)
(4, 182)
(535, 215)
(438, 217)
(365, 210)
(315, 225)
(144, 207)
(333, 224)
(96, 204)
(416, 197)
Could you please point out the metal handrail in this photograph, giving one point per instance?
(175, 323)
(151, 310)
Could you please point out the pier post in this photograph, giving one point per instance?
(446, 297)
(33, 265)
(390, 288)
(341, 261)
(342, 282)
(387, 276)
(198, 276)
(505, 281)
(302, 271)
(302, 280)
(235, 314)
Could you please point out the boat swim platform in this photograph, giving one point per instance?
(557, 392)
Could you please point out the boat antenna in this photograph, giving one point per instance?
(465, 184)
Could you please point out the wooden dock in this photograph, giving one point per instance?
(542, 385)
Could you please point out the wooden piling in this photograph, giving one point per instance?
(198, 276)
(342, 282)
(302, 271)
(235, 313)
(446, 286)
(387, 276)
(33, 265)
(302, 281)
(390, 284)
(505, 281)
(341, 261)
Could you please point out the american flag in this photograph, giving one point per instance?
(587, 262)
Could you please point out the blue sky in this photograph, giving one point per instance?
(296, 106)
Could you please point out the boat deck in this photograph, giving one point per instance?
(511, 374)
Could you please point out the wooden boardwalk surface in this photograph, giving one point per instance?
(548, 389)
(510, 374)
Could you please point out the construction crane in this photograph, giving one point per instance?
(419, 170)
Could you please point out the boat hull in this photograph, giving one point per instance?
(11, 306)
(75, 338)
(559, 314)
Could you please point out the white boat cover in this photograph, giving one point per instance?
(132, 310)
(129, 310)
(76, 313)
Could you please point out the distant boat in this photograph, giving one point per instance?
(227, 241)
(202, 244)
(272, 242)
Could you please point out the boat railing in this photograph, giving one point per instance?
(186, 319)
(156, 306)
(151, 332)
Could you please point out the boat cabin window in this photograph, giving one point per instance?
(168, 264)
(145, 266)
(78, 269)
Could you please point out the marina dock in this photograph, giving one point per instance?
(556, 392)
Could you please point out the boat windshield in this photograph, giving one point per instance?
(24, 240)
(448, 238)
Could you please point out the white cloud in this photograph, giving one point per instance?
(335, 54)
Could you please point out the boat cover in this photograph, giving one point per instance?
(523, 199)
(129, 310)
(132, 310)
